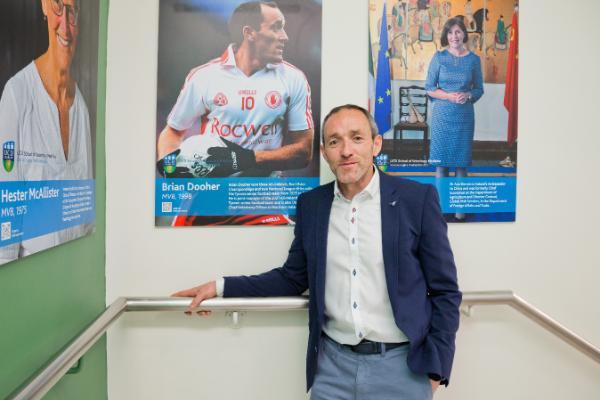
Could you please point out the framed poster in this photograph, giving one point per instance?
(48, 81)
(237, 111)
(445, 95)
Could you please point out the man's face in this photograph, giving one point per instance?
(271, 38)
(349, 148)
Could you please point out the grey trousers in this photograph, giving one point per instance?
(345, 375)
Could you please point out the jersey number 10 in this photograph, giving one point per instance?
(247, 102)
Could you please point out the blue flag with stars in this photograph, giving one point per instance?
(383, 84)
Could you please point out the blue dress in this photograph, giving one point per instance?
(452, 125)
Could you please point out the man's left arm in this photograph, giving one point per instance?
(297, 146)
(437, 262)
(295, 153)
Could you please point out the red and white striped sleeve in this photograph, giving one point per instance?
(300, 109)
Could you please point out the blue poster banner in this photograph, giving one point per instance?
(475, 195)
(230, 196)
(29, 209)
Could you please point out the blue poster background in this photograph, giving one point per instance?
(29, 209)
(230, 196)
(489, 194)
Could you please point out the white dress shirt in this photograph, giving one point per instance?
(357, 304)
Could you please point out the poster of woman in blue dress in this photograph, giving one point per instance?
(453, 112)
(454, 83)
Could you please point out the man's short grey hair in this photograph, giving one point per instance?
(363, 111)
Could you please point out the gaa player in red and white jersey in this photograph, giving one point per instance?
(250, 97)
(258, 104)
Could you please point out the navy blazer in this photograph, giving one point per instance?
(419, 270)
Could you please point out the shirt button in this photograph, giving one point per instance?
(354, 305)
(352, 220)
(360, 335)
(353, 209)
(352, 240)
(354, 272)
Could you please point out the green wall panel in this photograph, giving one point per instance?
(47, 298)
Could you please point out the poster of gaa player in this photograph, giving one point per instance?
(48, 79)
(238, 103)
(444, 94)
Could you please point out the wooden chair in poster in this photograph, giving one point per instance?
(413, 117)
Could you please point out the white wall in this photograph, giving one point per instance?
(549, 256)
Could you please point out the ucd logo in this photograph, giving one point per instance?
(169, 163)
(8, 155)
(382, 161)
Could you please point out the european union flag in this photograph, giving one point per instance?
(383, 84)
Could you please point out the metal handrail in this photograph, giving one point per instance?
(40, 383)
(511, 299)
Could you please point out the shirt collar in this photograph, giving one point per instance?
(371, 190)
(228, 58)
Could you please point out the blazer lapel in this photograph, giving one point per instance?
(322, 226)
(389, 227)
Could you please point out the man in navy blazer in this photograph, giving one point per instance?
(416, 270)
